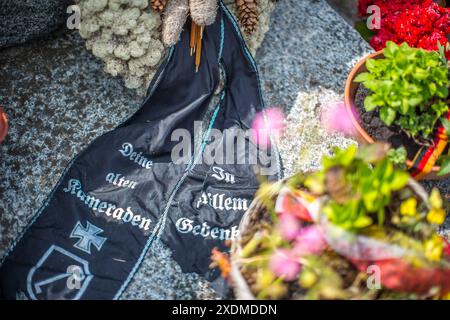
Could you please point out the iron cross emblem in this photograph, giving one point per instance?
(87, 236)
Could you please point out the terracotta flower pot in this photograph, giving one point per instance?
(351, 88)
(3, 125)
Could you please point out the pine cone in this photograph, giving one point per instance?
(248, 14)
(158, 5)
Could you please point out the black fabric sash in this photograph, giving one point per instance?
(123, 192)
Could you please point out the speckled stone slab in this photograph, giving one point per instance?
(22, 20)
(58, 99)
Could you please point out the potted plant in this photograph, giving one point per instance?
(358, 229)
(3, 125)
(401, 96)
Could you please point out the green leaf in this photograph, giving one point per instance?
(442, 52)
(404, 107)
(380, 217)
(369, 198)
(432, 87)
(370, 103)
(371, 64)
(445, 166)
(390, 49)
(398, 157)
(362, 222)
(399, 180)
(420, 74)
(415, 101)
(362, 77)
(347, 156)
(446, 124)
(442, 92)
(387, 115)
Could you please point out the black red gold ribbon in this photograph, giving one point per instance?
(427, 156)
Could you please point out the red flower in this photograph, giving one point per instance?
(420, 23)
(446, 250)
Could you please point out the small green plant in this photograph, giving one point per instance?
(409, 87)
(360, 184)
(398, 157)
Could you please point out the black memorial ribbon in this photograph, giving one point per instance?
(124, 191)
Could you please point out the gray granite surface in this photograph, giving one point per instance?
(58, 99)
(347, 9)
(22, 20)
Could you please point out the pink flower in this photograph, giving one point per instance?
(335, 118)
(310, 241)
(284, 264)
(272, 124)
(289, 226)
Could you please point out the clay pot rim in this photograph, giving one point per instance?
(349, 98)
(3, 124)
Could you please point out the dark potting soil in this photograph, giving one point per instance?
(371, 122)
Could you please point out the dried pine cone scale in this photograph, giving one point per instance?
(158, 5)
(248, 14)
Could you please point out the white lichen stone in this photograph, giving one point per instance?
(152, 58)
(107, 18)
(105, 36)
(126, 20)
(135, 49)
(102, 49)
(130, 16)
(150, 19)
(126, 35)
(114, 67)
(141, 4)
(304, 132)
(122, 52)
(92, 6)
(133, 82)
(116, 4)
(140, 29)
(144, 38)
(88, 27)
